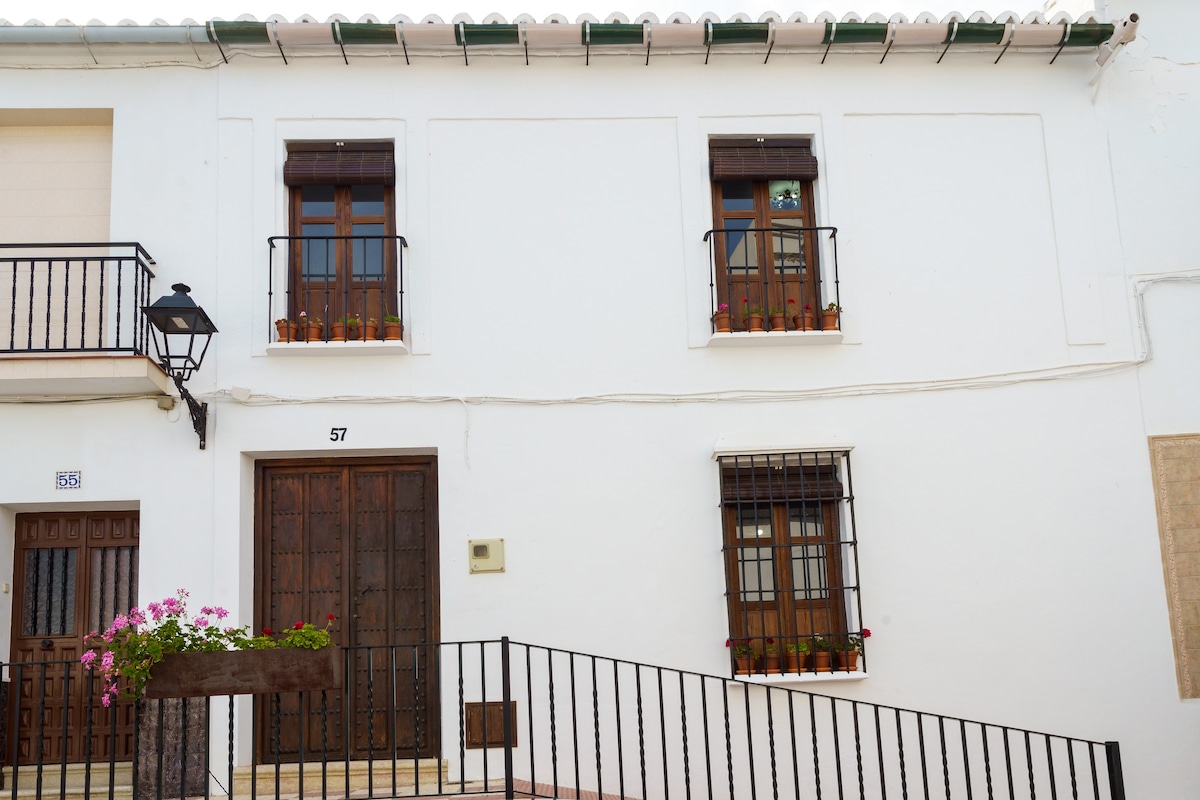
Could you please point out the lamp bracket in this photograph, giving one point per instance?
(198, 411)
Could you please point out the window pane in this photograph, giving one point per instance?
(737, 196)
(366, 201)
(804, 519)
(48, 607)
(316, 201)
(809, 575)
(317, 257)
(368, 253)
(741, 249)
(787, 246)
(756, 565)
(785, 195)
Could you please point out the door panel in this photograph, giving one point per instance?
(73, 573)
(356, 538)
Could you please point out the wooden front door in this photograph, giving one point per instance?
(356, 538)
(73, 572)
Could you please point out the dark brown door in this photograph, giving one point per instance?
(356, 538)
(73, 572)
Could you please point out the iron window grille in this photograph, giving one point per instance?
(790, 550)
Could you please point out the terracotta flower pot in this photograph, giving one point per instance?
(794, 662)
(829, 320)
(721, 322)
(804, 321)
(393, 331)
(340, 332)
(753, 322)
(820, 661)
(315, 331)
(370, 330)
(744, 665)
(288, 331)
(771, 663)
(778, 322)
(848, 660)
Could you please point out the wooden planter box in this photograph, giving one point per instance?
(281, 669)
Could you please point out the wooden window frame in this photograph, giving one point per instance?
(772, 487)
(733, 284)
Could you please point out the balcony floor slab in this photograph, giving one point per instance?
(80, 375)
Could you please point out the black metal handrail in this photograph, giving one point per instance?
(60, 301)
(329, 277)
(784, 281)
(557, 723)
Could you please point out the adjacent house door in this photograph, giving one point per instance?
(73, 572)
(356, 538)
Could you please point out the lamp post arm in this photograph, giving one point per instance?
(198, 410)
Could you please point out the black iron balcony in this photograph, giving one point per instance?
(786, 272)
(331, 280)
(78, 297)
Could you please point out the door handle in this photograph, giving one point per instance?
(47, 644)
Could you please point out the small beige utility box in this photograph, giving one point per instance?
(486, 555)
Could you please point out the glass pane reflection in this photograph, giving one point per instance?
(316, 201)
(741, 248)
(785, 195)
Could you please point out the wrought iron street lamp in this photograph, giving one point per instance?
(177, 323)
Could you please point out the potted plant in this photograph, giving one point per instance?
(720, 319)
(162, 655)
(370, 329)
(805, 320)
(777, 318)
(393, 329)
(140, 649)
(771, 656)
(345, 328)
(848, 649)
(287, 330)
(743, 656)
(752, 316)
(829, 317)
(820, 654)
(311, 327)
(795, 654)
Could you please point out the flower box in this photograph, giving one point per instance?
(280, 669)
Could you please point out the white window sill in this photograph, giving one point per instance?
(377, 347)
(776, 338)
(796, 679)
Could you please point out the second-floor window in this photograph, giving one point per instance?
(342, 220)
(765, 248)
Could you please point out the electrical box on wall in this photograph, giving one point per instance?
(486, 555)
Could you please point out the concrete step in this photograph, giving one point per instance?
(376, 774)
(72, 777)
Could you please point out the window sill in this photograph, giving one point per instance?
(776, 338)
(795, 679)
(378, 347)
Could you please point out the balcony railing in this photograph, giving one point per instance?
(491, 717)
(329, 278)
(74, 297)
(787, 269)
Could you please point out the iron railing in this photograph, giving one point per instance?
(74, 297)
(557, 724)
(785, 268)
(329, 278)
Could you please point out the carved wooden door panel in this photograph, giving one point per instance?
(73, 572)
(356, 538)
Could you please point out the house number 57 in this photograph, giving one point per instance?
(337, 434)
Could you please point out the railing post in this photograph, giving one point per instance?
(1116, 778)
(506, 715)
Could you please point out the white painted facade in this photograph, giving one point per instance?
(998, 224)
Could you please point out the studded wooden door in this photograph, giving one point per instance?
(356, 538)
(73, 572)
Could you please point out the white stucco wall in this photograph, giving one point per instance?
(993, 220)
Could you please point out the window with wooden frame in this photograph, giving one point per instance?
(791, 562)
(765, 246)
(342, 230)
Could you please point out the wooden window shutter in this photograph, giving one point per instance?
(771, 159)
(344, 166)
(770, 485)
